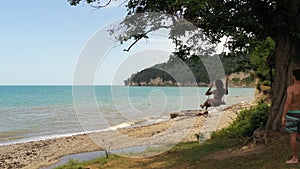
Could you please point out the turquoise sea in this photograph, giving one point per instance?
(39, 112)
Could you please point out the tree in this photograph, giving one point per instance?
(258, 58)
(245, 22)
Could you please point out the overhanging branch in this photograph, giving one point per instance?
(137, 39)
(143, 35)
(101, 6)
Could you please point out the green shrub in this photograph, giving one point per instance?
(246, 122)
(260, 116)
(247, 80)
(236, 80)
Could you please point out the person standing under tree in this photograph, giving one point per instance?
(291, 114)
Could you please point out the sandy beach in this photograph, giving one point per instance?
(42, 153)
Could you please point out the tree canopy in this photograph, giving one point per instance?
(242, 20)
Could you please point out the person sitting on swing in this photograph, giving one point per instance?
(218, 93)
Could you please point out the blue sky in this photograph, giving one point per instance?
(42, 40)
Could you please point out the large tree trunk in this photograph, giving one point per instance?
(284, 52)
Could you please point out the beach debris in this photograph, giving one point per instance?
(189, 113)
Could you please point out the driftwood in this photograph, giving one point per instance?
(189, 113)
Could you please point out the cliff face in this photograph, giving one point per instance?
(160, 82)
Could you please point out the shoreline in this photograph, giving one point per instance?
(43, 153)
(130, 124)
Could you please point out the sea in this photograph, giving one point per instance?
(29, 113)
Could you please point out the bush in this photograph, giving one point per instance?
(259, 117)
(246, 122)
(247, 80)
(236, 80)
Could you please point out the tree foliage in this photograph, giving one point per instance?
(259, 59)
(242, 20)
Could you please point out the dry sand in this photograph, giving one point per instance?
(47, 152)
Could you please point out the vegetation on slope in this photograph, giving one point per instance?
(189, 70)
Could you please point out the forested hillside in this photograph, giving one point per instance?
(187, 71)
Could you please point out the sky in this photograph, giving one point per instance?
(41, 42)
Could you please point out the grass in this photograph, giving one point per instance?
(195, 155)
(72, 164)
(182, 155)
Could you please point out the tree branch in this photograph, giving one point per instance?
(123, 3)
(138, 38)
(101, 6)
(143, 35)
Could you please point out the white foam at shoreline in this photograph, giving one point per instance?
(138, 123)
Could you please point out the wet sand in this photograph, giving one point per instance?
(37, 154)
